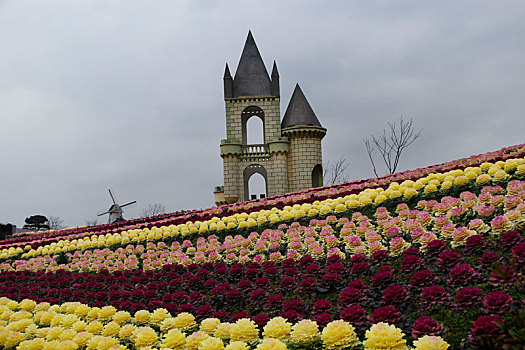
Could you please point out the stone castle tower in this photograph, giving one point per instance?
(290, 157)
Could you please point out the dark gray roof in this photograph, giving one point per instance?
(251, 77)
(299, 111)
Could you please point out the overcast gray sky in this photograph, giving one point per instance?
(128, 94)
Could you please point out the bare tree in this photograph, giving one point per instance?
(153, 209)
(55, 222)
(391, 143)
(336, 172)
(91, 222)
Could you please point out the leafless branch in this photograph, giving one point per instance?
(153, 209)
(55, 222)
(336, 172)
(391, 143)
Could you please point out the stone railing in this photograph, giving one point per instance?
(255, 152)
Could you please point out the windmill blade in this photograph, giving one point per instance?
(103, 213)
(112, 198)
(128, 204)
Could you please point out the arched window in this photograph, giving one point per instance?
(254, 131)
(255, 184)
(317, 176)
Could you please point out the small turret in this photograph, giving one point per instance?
(228, 83)
(275, 81)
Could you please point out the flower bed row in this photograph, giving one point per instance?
(507, 159)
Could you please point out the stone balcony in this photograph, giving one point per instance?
(252, 153)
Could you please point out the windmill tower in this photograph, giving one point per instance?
(115, 211)
(290, 156)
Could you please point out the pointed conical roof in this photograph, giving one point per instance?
(251, 77)
(299, 111)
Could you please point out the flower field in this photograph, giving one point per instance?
(427, 259)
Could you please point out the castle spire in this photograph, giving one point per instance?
(228, 83)
(299, 111)
(275, 80)
(251, 77)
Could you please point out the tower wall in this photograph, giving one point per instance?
(303, 155)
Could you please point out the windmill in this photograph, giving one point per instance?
(115, 211)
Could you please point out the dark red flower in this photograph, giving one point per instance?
(474, 243)
(336, 268)
(462, 275)
(387, 314)
(291, 271)
(411, 263)
(262, 283)
(234, 297)
(312, 269)
(435, 247)
(292, 316)
(426, 325)
(350, 296)
(186, 308)
(518, 253)
(245, 286)
(354, 315)
(382, 279)
(238, 315)
(358, 258)
(332, 279)
(275, 303)
(333, 259)
(308, 285)
(448, 259)
(360, 267)
(203, 312)
(287, 263)
(497, 303)
(288, 284)
(395, 295)
(489, 258)
(434, 296)
(197, 298)
(422, 278)
(386, 268)
(261, 320)
(510, 238)
(357, 284)
(411, 251)
(294, 304)
(321, 306)
(221, 315)
(485, 326)
(323, 319)
(251, 273)
(380, 255)
(468, 298)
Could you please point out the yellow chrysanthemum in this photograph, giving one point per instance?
(271, 344)
(194, 340)
(339, 334)
(237, 345)
(304, 332)
(185, 321)
(144, 336)
(53, 333)
(277, 328)
(68, 345)
(126, 331)
(244, 330)
(94, 327)
(158, 316)
(121, 317)
(27, 305)
(223, 331)
(174, 339)
(82, 310)
(67, 334)
(209, 325)
(384, 336)
(141, 317)
(211, 343)
(33, 344)
(13, 339)
(106, 313)
(111, 329)
(82, 338)
(79, 326)
(430, 342)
